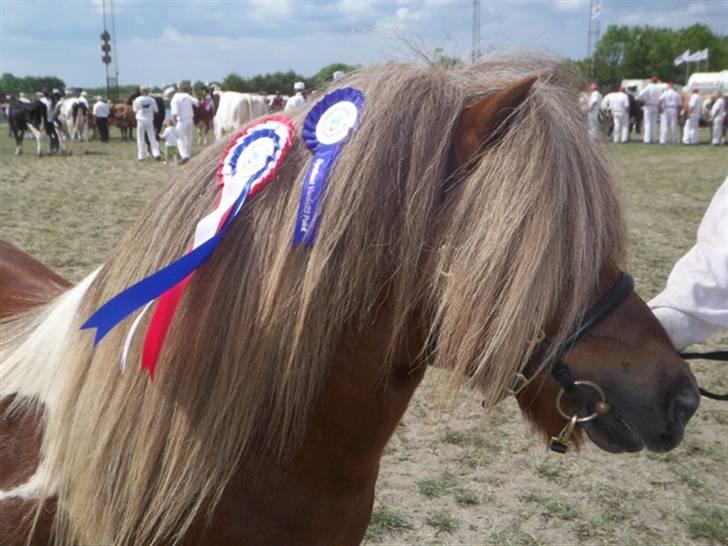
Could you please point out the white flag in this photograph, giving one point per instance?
(682, 58)
(694, 58)
(704, 55)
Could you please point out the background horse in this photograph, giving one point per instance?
(235, 110)
(73, 117)
(122, 117)
(458, 224)
(204, 114)
(27, 117)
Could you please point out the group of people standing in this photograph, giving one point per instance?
(662, 102)
(178, 129)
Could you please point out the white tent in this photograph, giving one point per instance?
(708, 83)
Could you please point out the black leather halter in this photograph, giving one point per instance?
(558, 368)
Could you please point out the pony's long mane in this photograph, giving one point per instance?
(484, 263)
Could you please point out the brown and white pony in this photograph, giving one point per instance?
(468, 204)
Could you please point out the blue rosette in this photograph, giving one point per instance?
(326, 130)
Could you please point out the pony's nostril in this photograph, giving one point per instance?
(684, 404)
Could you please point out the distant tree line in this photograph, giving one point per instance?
(625, 52)
(282, 81)
(12, 85)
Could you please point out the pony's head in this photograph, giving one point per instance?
(624, 359)
(468, 207)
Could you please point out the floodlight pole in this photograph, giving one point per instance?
(595, 11)
(476, 30)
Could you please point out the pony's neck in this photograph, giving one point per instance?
(335, 468)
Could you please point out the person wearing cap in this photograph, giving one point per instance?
(144, 108)
(669, 106)
(84, 99)
(717, 114)
(692, 123)
(101, 115)
(298, 100)
(650, 96)
(182, 114)
(22, 98)
(338, 75)
(593, 107)
(619, 106)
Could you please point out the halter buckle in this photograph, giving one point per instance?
(519, 383)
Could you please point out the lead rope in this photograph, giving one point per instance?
(721, 356)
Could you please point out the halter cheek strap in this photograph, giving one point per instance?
(558, 368)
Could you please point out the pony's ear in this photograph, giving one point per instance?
(485, 122)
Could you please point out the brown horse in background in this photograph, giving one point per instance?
(203, 116)
(477, 216)
(122, 117)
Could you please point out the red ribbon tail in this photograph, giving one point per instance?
(160, 323)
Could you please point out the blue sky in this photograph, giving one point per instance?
(160, 42)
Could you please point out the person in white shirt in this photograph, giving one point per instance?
(183, 114)
(717, 114)
(84, 99)
(101, 115)
(691, 131)
(669, 106)
(144, 108)
(650, 95)
(170, 141)
(298, 100)
(619, 106)
(22, 98)
(592, 111)
(694, 303)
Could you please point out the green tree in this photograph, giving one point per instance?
(326, 74)
(643, 51)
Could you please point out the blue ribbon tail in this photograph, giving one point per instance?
(123, 304)
(308, 215)
(106, 317)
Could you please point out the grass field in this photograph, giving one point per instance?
(457, 478)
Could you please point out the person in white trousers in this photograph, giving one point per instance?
(669, 106)
(144, 108)
(692, 123)
(717, 114)
(619, 106)
(593, 108)
(650, 96)
(182, 114)
(694, 303)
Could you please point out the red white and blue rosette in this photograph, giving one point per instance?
(326, 129)
(248, 163)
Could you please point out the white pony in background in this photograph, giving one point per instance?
(235, 110)
(73, 119)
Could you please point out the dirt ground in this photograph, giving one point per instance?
(457, 476)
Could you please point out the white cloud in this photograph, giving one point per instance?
(569, 5)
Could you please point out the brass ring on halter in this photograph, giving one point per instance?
(602, 405)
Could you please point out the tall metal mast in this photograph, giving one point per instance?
(595, 12)
(112, 67)
(476, 30)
